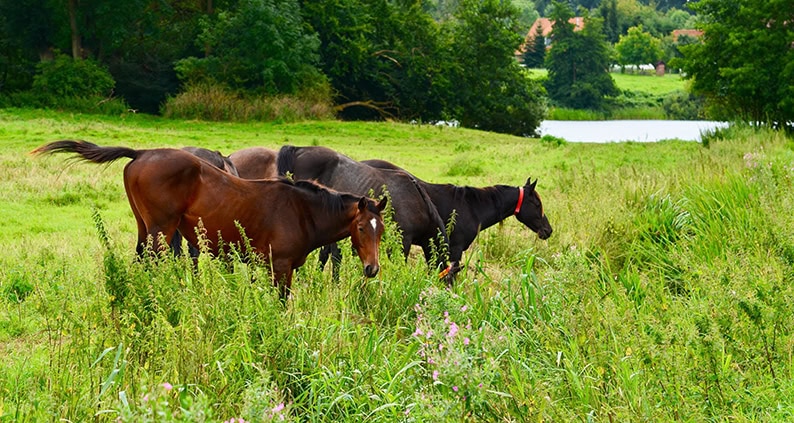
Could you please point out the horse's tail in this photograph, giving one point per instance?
(87, 151)
(433, 211)
(285, 162)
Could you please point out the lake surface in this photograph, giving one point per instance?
(603, 131)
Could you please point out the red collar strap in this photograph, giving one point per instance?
(520, 199)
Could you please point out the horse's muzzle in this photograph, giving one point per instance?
(371, 270)
(544, 233)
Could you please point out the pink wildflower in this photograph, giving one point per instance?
(435, 374)
(455, 388)
(278, 408)
(466, 341)
(464, 308)
(453, 330)
(418, 332)
(167, 386)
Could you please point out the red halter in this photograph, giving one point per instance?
(520, 199)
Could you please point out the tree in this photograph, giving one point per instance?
(578, 62)
(535, 52)
(260, 46)
(609, 13)
(744, 65)
(638, 48)
(493, 92)
(384, 59)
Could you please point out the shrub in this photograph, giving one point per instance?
(65, 77)
(682, 105)
(552, 141)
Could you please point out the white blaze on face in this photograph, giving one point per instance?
(374, 223)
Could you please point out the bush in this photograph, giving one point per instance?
(81, 86)
(65, 77)
(682, 105)
(91, 104)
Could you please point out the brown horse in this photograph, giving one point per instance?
(217, 159)
(255, 162)
(414, 212)
(171, 189)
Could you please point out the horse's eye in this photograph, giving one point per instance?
(361, 229)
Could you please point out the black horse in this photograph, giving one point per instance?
(414, 212)
(479, 208)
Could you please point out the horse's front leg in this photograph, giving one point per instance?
(282, 278)
(333, 252)
(450, 273)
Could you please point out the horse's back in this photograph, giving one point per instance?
(255, 163)
(162, 176)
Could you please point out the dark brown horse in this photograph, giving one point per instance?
(414, 212)
(476, 209)
(171, 189)
(255, 162)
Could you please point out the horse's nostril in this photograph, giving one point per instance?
(371, 270)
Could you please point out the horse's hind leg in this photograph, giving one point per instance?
(176, 244)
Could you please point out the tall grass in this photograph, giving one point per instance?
(661, 296)
(215, 103)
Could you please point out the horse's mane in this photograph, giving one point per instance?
(331, 200)
(484, 195)
(285, 160)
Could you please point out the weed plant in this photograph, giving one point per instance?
(661, 296)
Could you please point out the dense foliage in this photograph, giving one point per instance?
(409, 60)
(578, 63)
(493, 92)
(638, 48)
(237, 57)
(745, 64)
(373, 58)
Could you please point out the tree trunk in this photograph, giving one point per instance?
(76, 47)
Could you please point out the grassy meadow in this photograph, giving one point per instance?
(664, 293)
(644, 95)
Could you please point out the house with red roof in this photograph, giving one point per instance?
(545, 25)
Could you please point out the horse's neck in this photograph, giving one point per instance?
(490, 205)
(331, 225)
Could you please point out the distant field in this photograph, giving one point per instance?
(647, 83)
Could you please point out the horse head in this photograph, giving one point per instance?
(529, 210)
(366, 230)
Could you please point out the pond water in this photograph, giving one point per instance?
(603, 131)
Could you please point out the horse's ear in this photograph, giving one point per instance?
(531, 184)
(382, 203)
(362, 204)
